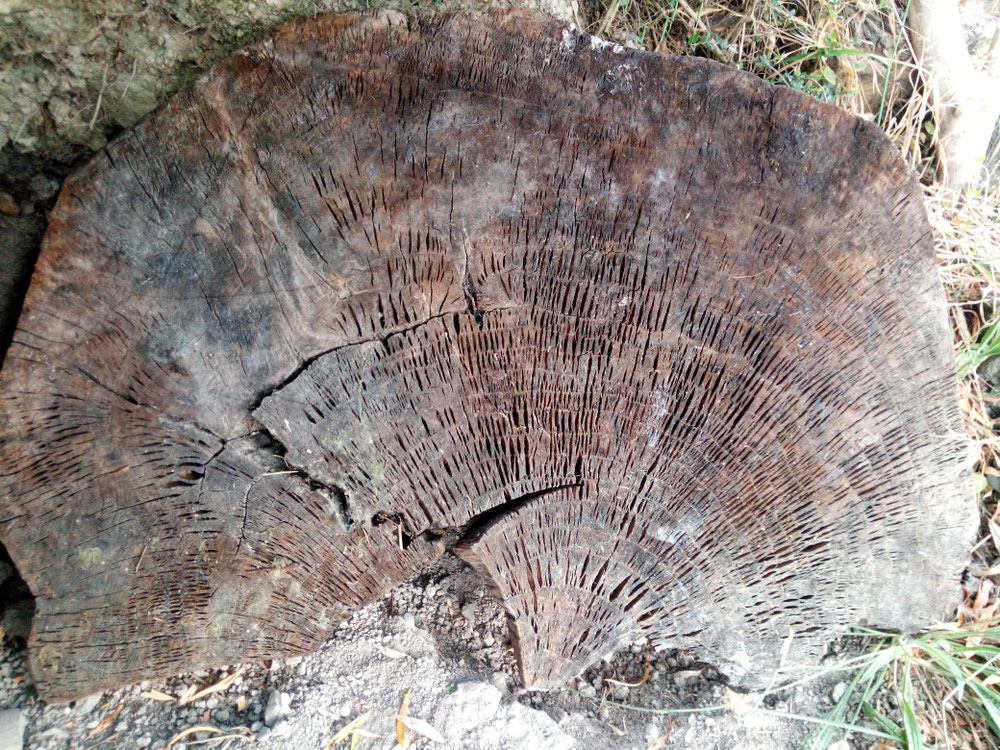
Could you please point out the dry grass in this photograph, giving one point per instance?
(967, 235)
(853, 54)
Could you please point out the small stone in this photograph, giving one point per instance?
(345, 709)
(55, 733)
(652, 733)
(263, 734)
(212, 702)
(86, 705)
(278, 707)
(588, 691)
(469, 611)
(689, 735)
(256, 726)
(838, 691)
(223, 716)
(409, 620)
(144, 741)
(499, 681)
(8, 205)
(489, 640)
(281, 729)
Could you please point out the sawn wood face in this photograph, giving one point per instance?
(659, 347)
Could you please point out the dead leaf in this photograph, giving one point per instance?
(222, 684)
(390, 652)
(236, 733)
(101, 742)
(659, 743)
(347, 730)
(241, 703)
(982, 612)
(739, 703)
(400, 725)
(156, 695)
(994, 532)
(106, 722)
(357, 734)
(645, 676)
(420, 727)
(993, 570)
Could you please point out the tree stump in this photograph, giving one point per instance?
(659, 347)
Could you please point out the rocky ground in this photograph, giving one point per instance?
(441, 640)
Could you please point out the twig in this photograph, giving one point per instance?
(100, 97)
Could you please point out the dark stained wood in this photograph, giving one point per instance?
(659, 347)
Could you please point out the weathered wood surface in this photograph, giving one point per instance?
(659, 347)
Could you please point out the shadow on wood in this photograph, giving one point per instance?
(658, 347)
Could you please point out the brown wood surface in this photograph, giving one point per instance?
(659, 347)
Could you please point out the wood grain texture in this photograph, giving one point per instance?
(660, 348)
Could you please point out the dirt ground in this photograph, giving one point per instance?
(442, 640)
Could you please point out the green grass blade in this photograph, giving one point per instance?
(988, 704)
(914, 740)
(882, 721)
(869, 676)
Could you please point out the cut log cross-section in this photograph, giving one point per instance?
(656, 346)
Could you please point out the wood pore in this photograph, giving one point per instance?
(660, 348)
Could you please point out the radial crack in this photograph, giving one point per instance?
(481, 522)
(259, 399)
